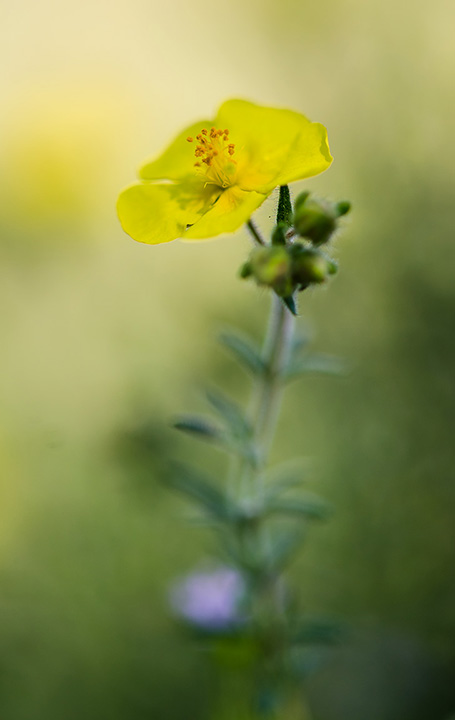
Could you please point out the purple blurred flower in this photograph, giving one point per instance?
(210, 599)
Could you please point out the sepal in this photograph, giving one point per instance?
(284, 212)
(290, 304)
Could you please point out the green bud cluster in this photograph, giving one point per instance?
(288, 268)
(287, 265)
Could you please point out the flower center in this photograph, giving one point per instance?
(214, 156)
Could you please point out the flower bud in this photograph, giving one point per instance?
(300, 200)
(271, 266)
(310, 266)
(279, 234)
(315, 220)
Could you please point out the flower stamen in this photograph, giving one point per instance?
(214, 150)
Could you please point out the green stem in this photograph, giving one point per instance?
(255, 539)
(255, 232)
(268, 393)
(266, 401)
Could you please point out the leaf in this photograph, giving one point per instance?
(316, 363)
(286, 476)
(205, 430)
(290, 304)
(245, 351)
(299, 343)
(280, 487)
(191, 483)
(311, 509)
(198, 426)
(231, 413)
(284, 547)
(239, 437)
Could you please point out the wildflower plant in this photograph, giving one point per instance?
(209, 181)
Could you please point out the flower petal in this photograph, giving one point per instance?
(178, 159)
(273, 146)
(308, 156)
(160, 213)
(233, 208)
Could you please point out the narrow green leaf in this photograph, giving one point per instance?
(300, 342)
(311, 509)
(290, 304)
(245, 351)
(284, 547)
(191, 483)
(287, 476)
(227, 441)
(315, 363)
(281, 487)
(199, 427)
(231, 414)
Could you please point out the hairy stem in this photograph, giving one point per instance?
(255, 233)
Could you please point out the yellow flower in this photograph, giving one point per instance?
(216, 173)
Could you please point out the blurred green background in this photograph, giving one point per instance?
(104, 339)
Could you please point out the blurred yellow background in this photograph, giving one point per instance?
(103, 339)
